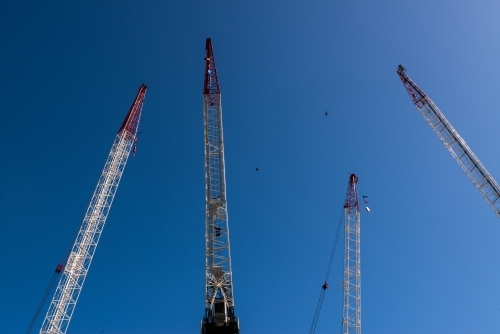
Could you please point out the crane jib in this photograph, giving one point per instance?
(77, 265)
(461, 152)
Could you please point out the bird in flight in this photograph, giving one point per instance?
(257, 169)
(326, 113)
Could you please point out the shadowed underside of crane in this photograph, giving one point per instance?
(219, 302)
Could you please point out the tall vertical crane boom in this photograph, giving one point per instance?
(464, 156)
(219, 301)
(351, 314)
(78, 262)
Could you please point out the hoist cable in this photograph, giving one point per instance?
(325, 285)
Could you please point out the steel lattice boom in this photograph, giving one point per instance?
(471, 165)
(351, 314)
(78, 262)
(219, 301)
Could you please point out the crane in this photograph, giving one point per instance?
(351, 312)
(219, 299)
(78, 261)
(464, 156)
(350, 218)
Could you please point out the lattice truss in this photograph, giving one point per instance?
(464, 156)
(78, 262)
(219, 289)
(218, 263)
(351, 313)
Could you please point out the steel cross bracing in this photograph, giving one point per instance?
(78, 262)
(219, 300)
(476, 172)
(351, 313)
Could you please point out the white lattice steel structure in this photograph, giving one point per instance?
(464, 156)
(219, 299)
(351, 312)
(78, 262)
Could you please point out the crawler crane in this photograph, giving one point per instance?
(219, 300)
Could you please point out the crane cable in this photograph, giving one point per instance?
(60, 268)
(44, 298)
(325, 285)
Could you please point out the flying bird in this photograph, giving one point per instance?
(257, 169)
(326, 113)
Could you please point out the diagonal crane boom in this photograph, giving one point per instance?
(78, 261)
(219, 300)
(464, 156)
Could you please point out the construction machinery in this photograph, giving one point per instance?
(351, 300)
(351, 312)
(76, 263)
(464, 156)
(219, 299)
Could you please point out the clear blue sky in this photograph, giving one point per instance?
(429, 248)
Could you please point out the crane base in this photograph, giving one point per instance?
(211, 328)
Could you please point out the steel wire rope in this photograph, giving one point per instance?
(60, 267)
(325, 285)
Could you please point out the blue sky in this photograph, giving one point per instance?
(429, 247)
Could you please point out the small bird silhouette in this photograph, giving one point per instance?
(257, 169)
(326, 113)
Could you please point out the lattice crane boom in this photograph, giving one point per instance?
(78, 262)
(219, 300)
(464, 156)
(351, 313)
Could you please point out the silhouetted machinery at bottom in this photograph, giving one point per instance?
(218, 321)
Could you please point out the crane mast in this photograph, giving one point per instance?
(78, 261)
(464, 156)
(219, 300)
(351, 313)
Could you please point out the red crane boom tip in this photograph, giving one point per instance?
(131, 121)
(351, 197)
(416, 94)
(211, 82)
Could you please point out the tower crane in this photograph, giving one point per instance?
(77, 263)
(464, 156)
(351, 313)
(219, 299)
